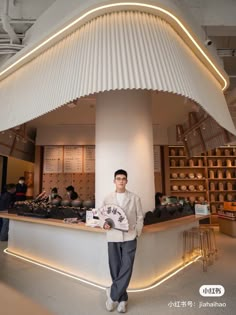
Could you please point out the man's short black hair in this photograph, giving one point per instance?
(70, 188)
(54, 190)
(121, 172)
(158, 195)
(22, 178)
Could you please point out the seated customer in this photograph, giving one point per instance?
(71, 194)
(151, 216)
(7, 200)
(158, 199)
(54, 195)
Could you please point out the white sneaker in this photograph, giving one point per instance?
(122, 307)
(110, 304)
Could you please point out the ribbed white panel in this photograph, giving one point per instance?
(121, 50)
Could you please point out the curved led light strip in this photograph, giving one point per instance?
(114, 5)
(156, 284)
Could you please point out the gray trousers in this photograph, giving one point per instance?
(4, 227)
(121, 259)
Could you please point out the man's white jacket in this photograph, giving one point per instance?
(133, 210)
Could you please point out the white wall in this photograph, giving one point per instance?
(160, 135)
(84, 135)
(16, 168)
(66, 135)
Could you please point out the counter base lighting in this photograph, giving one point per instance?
(150, 287)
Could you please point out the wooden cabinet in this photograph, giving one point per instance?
(186, 178)
(221, 173)
(227, 222)
(210, 177)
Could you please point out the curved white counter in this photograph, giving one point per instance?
(82, 251)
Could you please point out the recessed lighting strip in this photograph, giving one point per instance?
(115, 5)
(156, 284)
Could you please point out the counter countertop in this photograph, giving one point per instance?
(157, 227)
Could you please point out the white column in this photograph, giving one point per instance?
(124, 139)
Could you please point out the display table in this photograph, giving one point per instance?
(227, 221)
(227, 226)
(82, 251)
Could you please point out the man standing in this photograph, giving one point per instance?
(122, 245)
(7, 200)
(21, 189)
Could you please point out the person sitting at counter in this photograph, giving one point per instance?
(150, 216)
(158, 199)
(7, 200)
(21, 189)
(71, 194)
(54, 195)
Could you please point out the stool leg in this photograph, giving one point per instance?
(214, 243)
(209, 246)
(184, 246)
(203, 246)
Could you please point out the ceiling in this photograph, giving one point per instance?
(22, 15)
(83, 112)
(226, 48)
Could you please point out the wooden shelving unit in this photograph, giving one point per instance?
(221, 165)
(216, 169)
(185, 177)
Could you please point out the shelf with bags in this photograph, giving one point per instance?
(217, 168)
(222, 196)
(182, 170)
(189, 191)
(220, 156)
(221, 179)
(223, 151)
(188, 167)
(233, 167)
(188, 179)
(226, 191)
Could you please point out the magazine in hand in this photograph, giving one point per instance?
(114, 216)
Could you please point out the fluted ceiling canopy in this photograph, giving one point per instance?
(119, 50)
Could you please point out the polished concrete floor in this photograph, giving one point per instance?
(29, 289)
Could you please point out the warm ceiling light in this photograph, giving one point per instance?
(119, 4)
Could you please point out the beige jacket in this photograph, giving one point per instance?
(133, 209)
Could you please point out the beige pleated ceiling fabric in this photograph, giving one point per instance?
(120, 50)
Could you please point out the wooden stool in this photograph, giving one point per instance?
(211, 239)
(197, 242)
